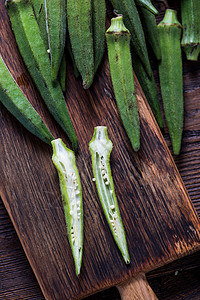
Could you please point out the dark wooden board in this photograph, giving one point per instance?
(160, 222)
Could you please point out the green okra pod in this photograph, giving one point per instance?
(132, 21)
(55, 12)
(99, 28)
(150, 30)
(39, 10)
(70, 186)
(118, 42)
(147, 5)
(100, 147)
(79, 18)
(149, 88)
(71, 55)
(14, 100)
(190, 16)
(171, 78)
(62, 73)
(35, 56)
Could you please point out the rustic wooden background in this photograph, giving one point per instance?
(179, 280)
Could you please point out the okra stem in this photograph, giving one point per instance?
(190, 16)
(171, 78)
(70, 186)
(100, 147)
(132, 22)
(118, 42)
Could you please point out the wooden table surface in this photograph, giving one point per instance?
(178, 280)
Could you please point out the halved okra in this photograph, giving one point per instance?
(15, 101)
(100, 147)
(70, 186)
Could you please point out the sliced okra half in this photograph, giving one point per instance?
(100, 147)
(70, 186)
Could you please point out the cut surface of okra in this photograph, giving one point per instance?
(70, 186)
(100, 147)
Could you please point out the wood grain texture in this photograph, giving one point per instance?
(27, 155)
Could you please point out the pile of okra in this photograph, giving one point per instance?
(46, 29)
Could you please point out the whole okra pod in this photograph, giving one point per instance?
(132, 21)
(55, 12)
(79, 18)
(149, 88)
(118, 42)
(14, 100)
(190, 17)
(39, 10)
(70, 186)
(171, 78)
(150, 30)
(100, 147)
(35, 56)
(99, 27)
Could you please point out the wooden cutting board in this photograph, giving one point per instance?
(160, 222)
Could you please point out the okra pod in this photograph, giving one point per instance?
(150, 30)
(118, 42)
(132, 22)
(14, 100)
(100, 147)
(190, 16)
(171, 78)
(62, 73)
(55, 12)
(39, 10)
(69, 49)
(35, 56)
(79, 18)
(147, 5)
(99, 28)
(149, 88)
(70, 186)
